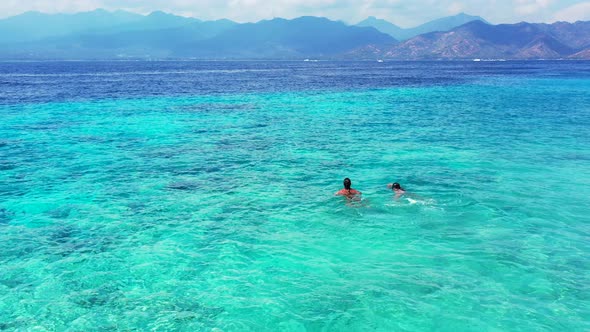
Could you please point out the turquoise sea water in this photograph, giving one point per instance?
(214, 210)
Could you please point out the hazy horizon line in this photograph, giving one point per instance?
(145, 14)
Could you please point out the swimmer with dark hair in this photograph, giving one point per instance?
(348, 191)
(396, 188)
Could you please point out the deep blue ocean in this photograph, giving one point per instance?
(199, 196)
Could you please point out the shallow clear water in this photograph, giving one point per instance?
(199, 195)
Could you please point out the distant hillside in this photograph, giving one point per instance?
(280, 38)
(441, 24)
(157, 20)
(161, 35)
(385, 27)
(33, 26)
(129, 43)
(446, 23)
(509, 41)
(582, 55)
(115, 35)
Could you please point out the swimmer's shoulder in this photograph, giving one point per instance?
(346, 192)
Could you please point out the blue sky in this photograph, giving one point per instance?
(405, 13)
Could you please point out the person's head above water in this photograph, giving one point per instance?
(347, 183)
(396, 185)
(348, 191)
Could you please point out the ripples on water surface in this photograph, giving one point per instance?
(198, 196)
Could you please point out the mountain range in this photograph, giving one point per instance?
(35, 26)
(441, 24)
(114, 35)
(477, 39)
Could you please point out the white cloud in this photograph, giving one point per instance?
(527, 7)
(577, 12)
(455, 8)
